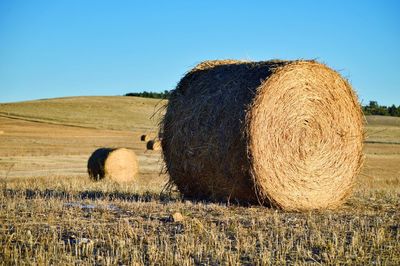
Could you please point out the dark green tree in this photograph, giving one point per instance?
(155, 95)
(394, 111)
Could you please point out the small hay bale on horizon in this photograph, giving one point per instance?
(154, 145)
(287, 134)
(145, 137)
(118, 164)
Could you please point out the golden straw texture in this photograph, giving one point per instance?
(281, 133)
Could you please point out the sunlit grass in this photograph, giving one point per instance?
(70, 220)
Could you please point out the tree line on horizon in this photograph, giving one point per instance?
(146, 94)
(373, 108)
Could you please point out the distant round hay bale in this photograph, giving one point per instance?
(145, 138)
(282, 133)
(1, 132)
(120, 165)
(154, 145)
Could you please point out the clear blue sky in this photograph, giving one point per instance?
(67, 48)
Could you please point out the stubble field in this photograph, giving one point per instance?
(51, 213)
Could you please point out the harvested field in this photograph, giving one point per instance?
(31, 149)
(50, 213)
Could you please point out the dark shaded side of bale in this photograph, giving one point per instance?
(282, 133)
(96, 163)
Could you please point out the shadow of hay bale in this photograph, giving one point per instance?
(90, 195)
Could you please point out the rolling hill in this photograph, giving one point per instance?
(136, 113)
(101, 112)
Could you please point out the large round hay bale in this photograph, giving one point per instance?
(282, 133)
(154, 145)
(120, 165)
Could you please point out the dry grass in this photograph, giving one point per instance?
(78, 223)
(93, 112)
(50, 213)
(383, 130)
